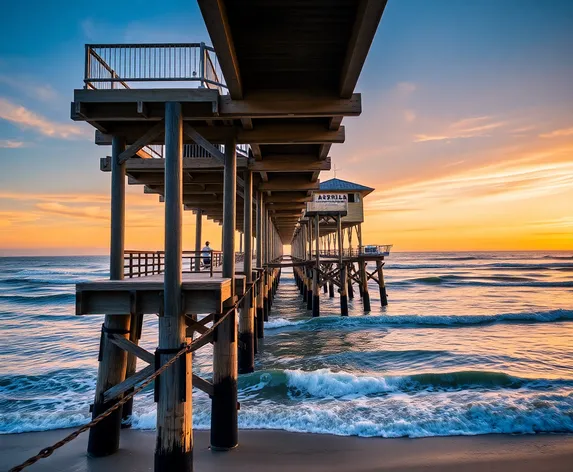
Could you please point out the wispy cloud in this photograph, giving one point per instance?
(466, 128)
(519, 179)
(9, 144)
(558, 133)
(91, 212)
(28, 87)
(25, 118)
(406, 88)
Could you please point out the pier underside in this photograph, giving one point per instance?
(245, 148)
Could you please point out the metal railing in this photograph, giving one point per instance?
(377, 250)
(109, 66)
(194, 150)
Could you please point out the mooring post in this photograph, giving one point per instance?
(260, 260)
(381, 284)
(198, 242)
(341, 265)
(224, 426)
(316, 272)
(104, 437)
(174, 446)
(246, 318)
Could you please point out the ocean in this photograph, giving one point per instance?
(470, 343)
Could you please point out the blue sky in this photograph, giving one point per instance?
(449, 87)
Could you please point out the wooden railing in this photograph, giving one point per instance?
(142, 263)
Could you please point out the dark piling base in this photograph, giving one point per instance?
(266, 308)
(343, 305)
(174, 461)
(315, 306)
(383, 296)
(246, 353)
(350, 290)
(325, 288)
(331, 290)
(104, 436)
(260, 323)
(366, 301)
(309, 300)
(225, 435)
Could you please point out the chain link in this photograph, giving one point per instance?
(198, 343)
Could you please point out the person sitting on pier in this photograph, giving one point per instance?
(206, 255)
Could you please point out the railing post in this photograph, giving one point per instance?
(202, 63)
(87, 69)
(198, 228)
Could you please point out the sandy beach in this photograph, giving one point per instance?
(282, 451)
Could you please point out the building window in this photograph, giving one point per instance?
(353, 197)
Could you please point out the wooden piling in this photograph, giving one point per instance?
(363, 277)
(104, 437)
(309, 294)
(260, 260)
(381, 284)
(246, 318)
(343, 281)
(224, 426)
(316, 271)
(174, 446)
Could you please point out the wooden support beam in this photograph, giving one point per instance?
(215, 17)
(204, 143)
(287, 198)
(203, 385)
(283, 185)
(289, 104)
(190, 164)
(128, 383)
(256, 150)
(367, 19)
(155, 131)
(290, 163)
(132, 348)
(325, 149)
(264, 133)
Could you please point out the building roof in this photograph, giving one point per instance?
(339, 185)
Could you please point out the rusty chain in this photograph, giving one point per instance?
(197, 344)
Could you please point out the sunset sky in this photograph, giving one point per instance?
(466, 132)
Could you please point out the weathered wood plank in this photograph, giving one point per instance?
(132, 348)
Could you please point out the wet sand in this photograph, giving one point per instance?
(282, 451)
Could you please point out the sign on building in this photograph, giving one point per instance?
(330, 197)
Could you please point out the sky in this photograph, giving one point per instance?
(466, 132)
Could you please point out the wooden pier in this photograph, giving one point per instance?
(238, 133)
